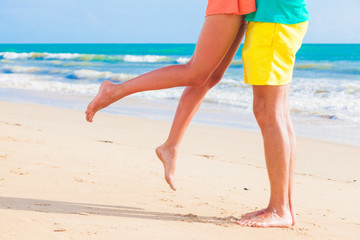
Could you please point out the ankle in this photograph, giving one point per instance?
(279, 209)
(171, 146)
(116, 91)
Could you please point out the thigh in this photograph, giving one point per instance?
(216, 37)
(219, 71)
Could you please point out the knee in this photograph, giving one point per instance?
(196, 77)
(265, 115)
(213, 80)
(258, 108)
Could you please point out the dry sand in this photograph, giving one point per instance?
(63, 178)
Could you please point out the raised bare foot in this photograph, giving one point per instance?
(168, 157)
(103, 99)
(269, 218)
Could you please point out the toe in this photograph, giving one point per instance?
(172, 186)
(171, 182)
(89, 118)
(258, 224)
(244, 222)
(250, 223)
(240, 222)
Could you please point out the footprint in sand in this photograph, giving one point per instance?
(105, 141)
(13, 124)
(78, 180)
(19, 171)
(82, 213)
(204, 203)
(205, 155)
(9, 138)
(178, 206)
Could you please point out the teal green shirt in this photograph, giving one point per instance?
(279, 11)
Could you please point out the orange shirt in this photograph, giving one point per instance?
(236, 7)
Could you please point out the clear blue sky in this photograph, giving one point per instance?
(147, 21)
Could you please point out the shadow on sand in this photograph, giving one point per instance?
(49, 206)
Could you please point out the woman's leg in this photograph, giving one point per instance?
(189, 103)
(216, 37)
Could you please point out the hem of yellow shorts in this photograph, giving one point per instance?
(268, 84)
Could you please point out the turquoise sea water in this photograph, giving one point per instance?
(325, 88)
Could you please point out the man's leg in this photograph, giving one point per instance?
(293, 147)
(189, 103)
(269, 113)
(216, 37)
(292, 139)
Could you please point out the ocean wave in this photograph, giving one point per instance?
(87, 57)
(327, 98)
(182, 60)
(70, 64)
(146, 58)
(319, 66)
(229, 82)
(6, 61)
(37, 55)
(19, 69)
(236, 63)
(100, 57)
(333, 99)
(46, 83)
(12, 55)
(92, 74)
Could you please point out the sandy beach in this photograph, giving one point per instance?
(63, 178)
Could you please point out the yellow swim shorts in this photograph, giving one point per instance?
(269, 52)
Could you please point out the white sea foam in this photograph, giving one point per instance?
(327, 98)
(324, 98)
(144, 58)
(12, 55)
(89, 57)
(65, 56)
(46, 83)
(182, 60)
(35, 55)
(229, 82)
(92, 74)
